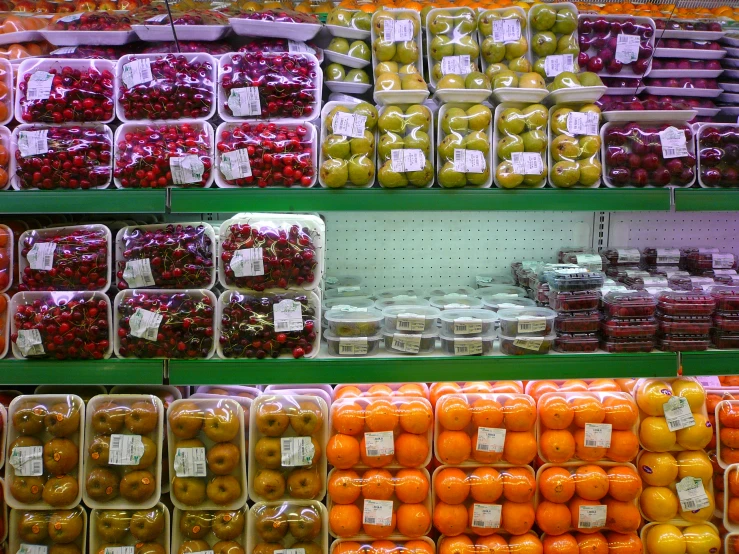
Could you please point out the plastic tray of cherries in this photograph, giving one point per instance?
(94, 28)
(622, 108)
(689, 29)
(685, 86)
(718, 155)
(272, 44)
(616, 44)
(668, 68)
(204, 25)
(688, 49)
(277, 23)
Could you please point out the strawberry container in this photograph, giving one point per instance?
(515, 166)
(701, 260)
(627, 345)
(638, 282)
(291, 525)
(727, 299)
(629, 328)
(165, 323)
(200, 25)
(621, 256)
(166, 86)
(690, 283)
(574, 280)
(582, 342)
(66, 258)
(352, 346)
(576, 301)
(577, 322)
(61, 325)
(660, 256)
(405, 147)
(287, 447)
(689, 303)
(167, 154)
(723, 340)
(520, 345)
(65, 156)
(464, 156)
(276, 23)
(727, 322)
(91, 28)
(206, 528)
(31, 529)
(52, 422)
(7, 257)
(83, 91)
(682, 343)
(607, 54)
(684, 325)
(166, 255)
(141, 528)
(629, 304)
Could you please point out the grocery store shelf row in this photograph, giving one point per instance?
(97, 372)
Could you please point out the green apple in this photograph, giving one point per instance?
(543, 17)
(448, 178)
(387, 81)
(532, 80)
(589, 145)
(516, 49)
(391, 179)
(388, 143)
(505, 79)
(520, 65)
(565, 23)
(361, 171)
(567, 44)
(505, 177)
(378, 21)
(391, 120)
(418, 139)
(559, 121)
(422, 177)
(589, 79)
(339, 17)
(476, 81)
(565, 147)
(544, 44)
(334, 173)
(369, 111)
(565, 174)
(451, 142)
(359, 49)
(414, 81)
(450, 81)
(408, 69)
(386, 67)
(477, 140)
(454, 120)
(406, 52)
(479, 117)
(536, 116)
(508, 145)
(440, 23)
(511, 121)
(332, 114)
(357, 76)
(534, 141)
(590, 171)
(485, 22)
(465, 21)
(362, 21)
(478, 179)
(535, 180)
(335, 72)
(336, 146)
(363, 146)
(466, 46)
(492, 52)
(441, 45)
(418, 116)
(339, 45)
(384, 49)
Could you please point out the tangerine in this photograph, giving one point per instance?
(519, 414)
(380, 531)
(556, 484)
(411, 450)
(342, 451)
(591, 482)
(555, 412)
(487, 413)
(344, 486)
(557, 446)
(593, 543)
(562, 544)
(416, 416)
(517, 518)
(538, 388)
(624, 543)
(454, 412)
(377, 484)
(437, 390)
(461, 544)
(345, 520)
(414, 520)
(623, 517)
(552, 518)
(454, 447)
(379, 390)
(451, 485)
(348, 419)
(587, 453)
(525, 544)
(381, 415)
(450, 519)
(519, 448)
(411, 486)
(518, 484)
(587, 410)
(624, 446)
(624, 483)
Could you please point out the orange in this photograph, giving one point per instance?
(525, 544)
(587, 453)
(537, 388)
(557, 446)
(519, 414)
(411, 486)
(454, 412)
(348, 418)
(517, 518)
(411, 450)
(348, 547)
(624, 446)
(591, 482)
(380, 531)
(730, 455)
(486, 485)
(415, 416)
(342, 451)
(733, 482)
(377, 484)
(555, 412)
(477, 387)
(729, 437)
(451, 485)
(382, 547)
(419, 547)
(344, 486)
(712, 400)
(411, 389)
(587, 410)
(594, 543)
(507, 386)
(373, 461)
(491, 544)
(381, 415)
(624, 543)
(437, 390)
(519, 448)
(556, 484)
(552, 518)
(379, 390)
(345, 520)
(454, 447)
(624, 483)
(484, 456)
(623, 517)
(603, 385)
(621, 413)
(3, 155)
(346, 392)
(732, 510)
(574, 506)
(460, 544)
(562, 544)
(518, 484)
(414, 520)
(486, 413)
(450, 519)
(574, 385)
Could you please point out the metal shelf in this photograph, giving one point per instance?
(83, 202)
(706, 200)
(710, 362)
(103, 372)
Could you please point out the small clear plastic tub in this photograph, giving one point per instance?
(411, 319)
(526, 344)
(723, 340)
(577, 322)
(401, 300)
(291, 525)
(456, 302)
(206, 528)
(352, 346)
(480, 345)
(335, 281)
(660, 256)
(686, 303)
(395, 293)
(443, 291)
(150, 529)
(354, 324)
(619, 273)
(726, 321)
(410, 343)
(494, 290)
(471, 323)
(73, 525)
(727, 298)
(683, 343)
(504, 301)
(564, 281)
(629, 328)
(690, 282)
(621, 255)
(349, 303)
(629, 345)
(629, 304)
(576, 301)
(683, 325)
(528, 321)
(586, 342)
(348, 291)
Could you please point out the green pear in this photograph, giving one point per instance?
(566, 79)
(440, 23)
(384, 49)
(418, 116)
(387, 81)
(494, 68)
(357, 76)
(448, 178)
(505, 79)
(362, 21)
(543, 17)
(565, 23)
(590, 79)
(339, 17)
(539, 67)
(454, 120)
(414, 81)
(534, 180)
(559, 121)
(478, 179)
(334, 173)
(362, 146)
(590, 171)
(359, 49)
(391, 120)
(422, 177)
(465, 21)
(587, 108)
(567, 44)
(388, 143)
(536, 116)
(420, 140)
(534, 141)
(406, 52)
(476, 81)
(485, 22)
(544, 44)
(361, 171)
(477, 140)
(589, 145)
(391, 179)
(450, 81)
(506, 177)
(451, 142)
(466, 46)
(369, 111)
(511, 121)
(386, 67)
(412, 17)
(532, 80)
(408, 69)
(332, 114)
(508, 145)
(520, 65)
(436, 73)
(479, 117)
(378, 21)
(336, 146)
(516, 49)
(492, 52)
(565, 174)
(339, 45)
(513, 14)
(335, 72)
(565, 147)
(441, 46)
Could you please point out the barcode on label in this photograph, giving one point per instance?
(353, 346)
(248, 262)
(288, 316)
(27, 460)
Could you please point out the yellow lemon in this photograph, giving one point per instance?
(701, 539)
(653, 396)
(665, 539)
(659, 503)
(695, 464)
(658, 469)
(691, 390)
(696, 436)
(699, 516)
(654, 434)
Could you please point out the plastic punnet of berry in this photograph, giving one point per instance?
(191, 17)
(112, 53)
(214, 48)
(66, 157)
(91, 21)
(280, 16)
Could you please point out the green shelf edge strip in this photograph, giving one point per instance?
(706, 200)
(103, 372)
(83, 202)
(710, 362)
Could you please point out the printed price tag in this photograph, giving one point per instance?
(527, 163)
(467, 326)
(346, 308)
(288, 316)
(125, 450)
(186, 169)
(190, 462)
(592, 517)
(531, 324)
(627, 48)
(353, 346)
(145, 324)
(290, 551)
(406, 343)
(29, 342)
(119, 550)
(377, 512)
(582, 123)
(709, 381)
(598, 435)
(298, 47)
(349, 125)
(468, 346)
(33, 549)
(410, 322)
(235, 165)
(559, 63)
(486, 516)
(398, 30)
(692, 494)
(157, 18)
(469, 161)
(31, 143)
(245, 101)
(296, 451)
(674, 144)
(678, 414)
(64, 51)
(248, 262)
(70, 18)
(41, 256)
(722, 261)
(528, 343)
(39, 86)
(490, 439)
(668, 255)
(402, 160)
(204, 552)
(27, 461)
(506, 30)
(137, 274)
(628, 255)
(137, 72)
(455, 65)
(379, 444)
(591, 262)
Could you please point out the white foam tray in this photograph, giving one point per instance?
(274, 29)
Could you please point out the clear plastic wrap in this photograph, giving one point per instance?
(691, 303)
(279, 22)
(112, 53)
(82, 90)
(702, 259)
(53, 531)
(198, 530)
(289, 525)
(639, 282)
(533, 322)
(630, 328)
(352, 346)
(577, 322)
(574, 152)
(123, 451)
(178, 154)
(89, 27)
(629, 304)
(526, 344)
(684, 325)
(520, 136)
(166, 255)
(718, 155)
(7, 259)
(61, 157)
(214, 48)
(43, 469)
(464, 154)
(165, 323)
(192, 24)
(554, 40)
(354, 324)
(620, 45)
(66, 258)
(405, 147)
(348, 23)
(166, 86)
(587, 342)
(143, 529)
(576, 301)
(240, 338)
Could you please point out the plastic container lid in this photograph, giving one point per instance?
(505, 302)
(528, 313)
(493, 290)
(401, 301)
(569, 281)
(349, 303)
(427, 312)
(444, 291)
(395, 293)
(341, 316)
(456, 301)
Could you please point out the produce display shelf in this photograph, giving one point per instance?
(103, 372)
(321, 200)
(706, 200)
(710, 362)
(83, 202)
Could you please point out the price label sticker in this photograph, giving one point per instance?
(559, 63)
(591, 262)
(403, 160)
(722, 261)
(41, 256)
(469, 161)
(245, 101)
(33, 549)
(678, 414)
(377, 512)
(32, 143)
(125, 450)
(137, 72)
(235, 164)
(186, 169)
(592, 517)
(528, 343)
(400, 30)
(582, 123)
(28, 461)
(353, 346)
(628, 255)
(527, 163)
(674, 144)
(490, 439)
(455, 65)
(64, 51)
(709, 381)
(379, 444)
(119, 550)
(410, 322)
(668, 256)
(468, 346)
(298, 47)
(467, 326)
(692, 494)
(598, 435)
(349, 125)
(29, 342)
(296, 451)
(190, 462)
(627, 48)
(248, 262)
(486, 516)
(288, 316)
(137, 274)
(71, 18)
(290, 551)
(406, 343)
(531, 324)
(145, 324)
(39, 86)
(506, 30)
